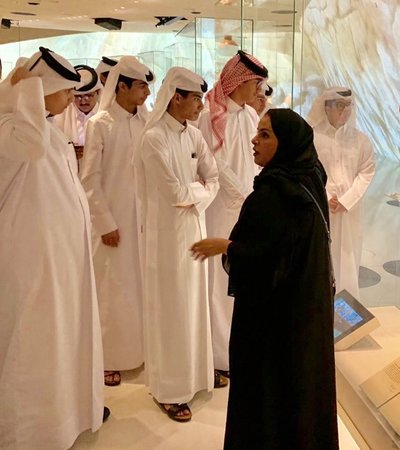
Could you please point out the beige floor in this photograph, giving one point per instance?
(136, 423)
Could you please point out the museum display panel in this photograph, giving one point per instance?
(352, 321)
(366, 373)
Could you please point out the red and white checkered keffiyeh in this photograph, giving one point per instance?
(232, 75)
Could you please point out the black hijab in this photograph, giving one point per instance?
(295, 166)
(296, 149)
(295, 161)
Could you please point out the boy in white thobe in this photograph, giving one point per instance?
(348, 158)
(109, 181)
(73, 120)
(104, 67)
(51, 384)
(228, 126)
(181, 180)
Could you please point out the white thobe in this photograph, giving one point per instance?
(177, 319)
(348, 158)
(51, 367)
(236, 175)
(108, 178)
(73, 123)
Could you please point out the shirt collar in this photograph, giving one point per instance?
(173, 123)
(232, 106)
(121, 112)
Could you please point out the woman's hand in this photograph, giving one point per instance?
(209, 247)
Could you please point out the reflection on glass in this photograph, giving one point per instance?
(357, 46)
(273, 43)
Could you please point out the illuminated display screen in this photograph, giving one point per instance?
(345, 317)
(349, 315)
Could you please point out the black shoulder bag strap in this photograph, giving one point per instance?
(327, 233)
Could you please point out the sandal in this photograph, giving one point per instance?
(219, 380)
(224, 373)
(112, 377)
(173, 409)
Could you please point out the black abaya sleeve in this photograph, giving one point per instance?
(263, 239)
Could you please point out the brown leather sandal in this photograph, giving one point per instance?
(172, 410)
(114, 377)
(219, 380)
(224, 373)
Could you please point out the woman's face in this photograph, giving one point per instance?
(265, 143)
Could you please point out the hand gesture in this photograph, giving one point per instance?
(209, 247)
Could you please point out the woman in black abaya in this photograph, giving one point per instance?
(282, 390)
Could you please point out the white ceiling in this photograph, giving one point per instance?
(51, 17)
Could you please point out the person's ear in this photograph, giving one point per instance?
(177, 98)
(122, 86)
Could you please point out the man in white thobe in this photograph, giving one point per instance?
(348, 158)
(261, 103)
(73, 120)
(181, 180)
(108, 178)
(51, 384)
(104, 67)
(228, 126)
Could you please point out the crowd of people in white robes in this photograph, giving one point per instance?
(100, 202)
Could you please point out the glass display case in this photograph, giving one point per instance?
(157, 62)
(220, 40)
(275, 40)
